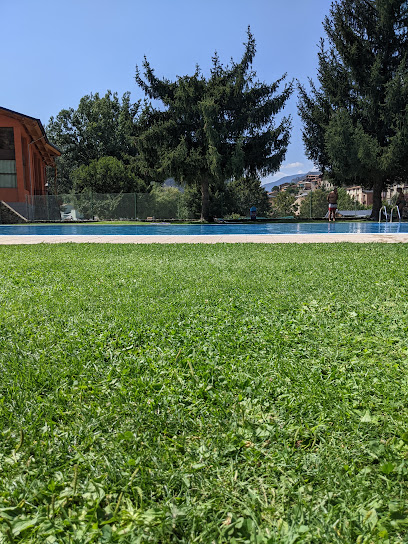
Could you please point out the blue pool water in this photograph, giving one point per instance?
(182, 230)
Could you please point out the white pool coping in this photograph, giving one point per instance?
(29, 239)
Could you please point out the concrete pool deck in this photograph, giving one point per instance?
(24, 239)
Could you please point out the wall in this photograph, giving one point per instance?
(25, 186)
(8, 216)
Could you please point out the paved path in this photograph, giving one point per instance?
(205, 239)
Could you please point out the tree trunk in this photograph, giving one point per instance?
(377, 200)
(205, 200)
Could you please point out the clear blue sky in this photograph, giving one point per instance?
(56, 52)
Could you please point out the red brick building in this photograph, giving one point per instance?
(24, 154)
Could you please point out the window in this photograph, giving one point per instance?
(8, 177)
(7, 144)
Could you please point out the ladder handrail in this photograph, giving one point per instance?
(386, 215)
(399, 215)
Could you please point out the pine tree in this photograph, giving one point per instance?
(208, 131)
(356, 120)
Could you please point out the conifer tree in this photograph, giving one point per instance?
(209, 130)
(356, 120)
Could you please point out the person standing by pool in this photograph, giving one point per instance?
(332, 200)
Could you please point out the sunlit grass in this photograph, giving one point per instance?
(179, 393)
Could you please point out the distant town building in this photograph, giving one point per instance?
(392, 190)
(365, 196)
(305, 185)
(315, 180)
(361, 195)
(284, 186)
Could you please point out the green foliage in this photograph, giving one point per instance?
(101, 206)
(192, 203)
(292, 189)
(99, 127)
(169, 201)
(104, 175)
(283, 204)
(257, 396)
(346, 202)
(356, 121)
(315, 204)
(220, 202)
(245, 193)
(209, 130)
(161, 203)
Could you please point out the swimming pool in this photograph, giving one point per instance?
(216, 229)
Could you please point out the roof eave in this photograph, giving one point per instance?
(37, 133)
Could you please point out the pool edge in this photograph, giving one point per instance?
(29, 239)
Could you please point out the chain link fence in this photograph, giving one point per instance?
(104, 207)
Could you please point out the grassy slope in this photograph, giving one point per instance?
(204, 393)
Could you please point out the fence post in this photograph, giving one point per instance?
(311, 197)
(135, 205)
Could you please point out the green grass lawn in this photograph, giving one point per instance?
(204, 393)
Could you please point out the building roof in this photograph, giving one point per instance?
(37, 133)
(359, 187)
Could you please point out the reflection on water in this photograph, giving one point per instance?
(338, 227)
(390, 227)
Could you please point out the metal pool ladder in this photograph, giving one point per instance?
(386, 214)
(399, 215)
(385, 211)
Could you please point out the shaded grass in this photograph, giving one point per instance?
(225, 393)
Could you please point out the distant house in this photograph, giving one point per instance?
(299, 199)
(361, 195)
(304, 185)
(24, 154)
(284, 186)
(311, 181)
(392, 190)
(318, 182)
